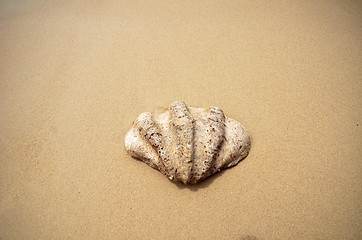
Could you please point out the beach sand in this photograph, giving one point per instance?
(75, 75)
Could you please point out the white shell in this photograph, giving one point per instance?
(188, 144)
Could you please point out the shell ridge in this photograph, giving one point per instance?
(215, 134)
(181, 123)
(151, 133)
(237, 141)
(140, 149)
(193, 150)
(243, 149)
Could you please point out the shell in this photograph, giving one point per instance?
(188, 144)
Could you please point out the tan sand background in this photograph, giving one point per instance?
(74, 75)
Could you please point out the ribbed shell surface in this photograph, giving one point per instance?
(188, 144)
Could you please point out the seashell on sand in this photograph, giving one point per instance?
(188, 144)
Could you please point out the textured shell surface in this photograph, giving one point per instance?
(187, 144)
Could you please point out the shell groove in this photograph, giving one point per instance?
(187, 144)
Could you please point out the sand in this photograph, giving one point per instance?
(74, 75)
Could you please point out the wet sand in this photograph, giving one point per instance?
(73, 77)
